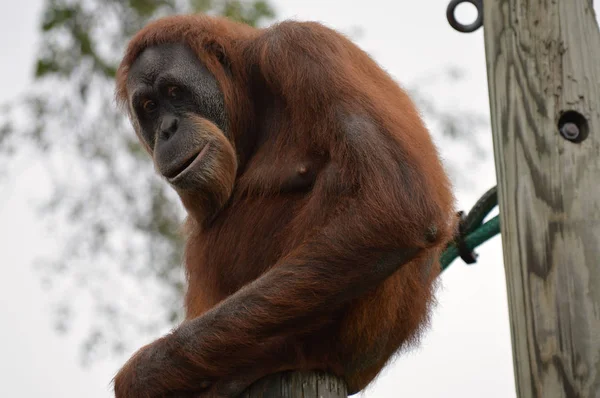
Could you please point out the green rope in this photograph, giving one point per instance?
(472, 240)
(479, 212)
(472, 232)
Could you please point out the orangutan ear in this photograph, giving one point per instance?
(218, 52)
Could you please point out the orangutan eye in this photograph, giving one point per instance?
(149, 106)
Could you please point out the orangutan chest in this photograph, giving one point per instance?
(270, 213)
(248, 239)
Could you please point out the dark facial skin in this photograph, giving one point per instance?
(167, 84)
(181, 115)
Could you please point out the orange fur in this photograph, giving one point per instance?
(300, 279)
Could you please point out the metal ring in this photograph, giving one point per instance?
(459, 26)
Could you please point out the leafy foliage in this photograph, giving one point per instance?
(121, 260)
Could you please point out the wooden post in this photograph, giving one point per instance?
(297, 385)
(543, 60)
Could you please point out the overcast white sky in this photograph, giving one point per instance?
(467, 351)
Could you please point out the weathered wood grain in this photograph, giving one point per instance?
(298, 385)
(543, 58)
